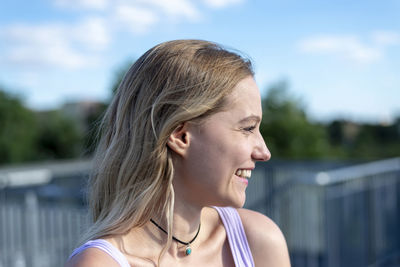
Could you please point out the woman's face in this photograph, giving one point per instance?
(223, 150)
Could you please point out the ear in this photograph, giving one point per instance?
(179, 139)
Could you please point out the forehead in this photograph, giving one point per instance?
(245, 98)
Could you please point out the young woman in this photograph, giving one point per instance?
(179, 142)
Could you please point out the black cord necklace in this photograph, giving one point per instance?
(188, 250)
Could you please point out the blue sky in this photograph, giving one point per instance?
(342, 58)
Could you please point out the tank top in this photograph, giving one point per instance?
(236, 237)
(234, 230)
(105, 246)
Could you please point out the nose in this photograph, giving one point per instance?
(261, 151)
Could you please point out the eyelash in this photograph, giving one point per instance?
(249, 129)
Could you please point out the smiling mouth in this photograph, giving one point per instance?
(243, 173)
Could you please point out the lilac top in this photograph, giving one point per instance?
(234, 230)
(107, 247)
(236, 236)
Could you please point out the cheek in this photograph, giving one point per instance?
(217, 155)
(207, 159)
(208, 163)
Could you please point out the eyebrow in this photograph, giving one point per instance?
(250, 118)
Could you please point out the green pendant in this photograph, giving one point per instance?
(188, 251)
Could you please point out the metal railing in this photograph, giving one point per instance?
(38, 235)
(331, 214)
(347, 216)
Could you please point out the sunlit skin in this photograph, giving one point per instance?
(206, 157)
(226, 142)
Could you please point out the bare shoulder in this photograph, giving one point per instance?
(266, 240)
(92, 257)
(256, 224)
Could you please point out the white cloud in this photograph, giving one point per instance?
(175, 8)
(349, 47)
(85, 4)
(172, 8)
(135, 16)
(50, 56)
(141, 15)
(136, 19)
(41, 34)
(221, 3)
(79, 44)
(51, 45)
(385, 38)
(93, 32)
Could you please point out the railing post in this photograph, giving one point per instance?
(32, 228)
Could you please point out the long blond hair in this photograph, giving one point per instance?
(173, 82)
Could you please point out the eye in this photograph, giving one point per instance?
(249, 129)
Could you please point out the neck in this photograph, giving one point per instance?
(183, 231)
(186, 220)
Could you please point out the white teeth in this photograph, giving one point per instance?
(248, 174)
(243, 173)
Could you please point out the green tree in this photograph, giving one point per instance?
(58, 137)
(377, 141)
(365, 141)
(286, 129)
(18, 130)
(29, 136)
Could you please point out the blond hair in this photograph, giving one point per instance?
(173, 82)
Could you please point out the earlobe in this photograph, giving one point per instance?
(178, 141)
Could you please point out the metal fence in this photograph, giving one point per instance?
(41, 213)
(34, 235)
(331, 214)
(346, 216)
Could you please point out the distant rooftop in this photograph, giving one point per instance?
(42, 172)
